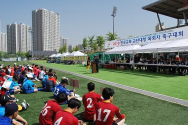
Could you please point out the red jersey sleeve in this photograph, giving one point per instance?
(100, 99)
(120, 116)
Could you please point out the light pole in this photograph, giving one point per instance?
(31, 31)
(113, 15)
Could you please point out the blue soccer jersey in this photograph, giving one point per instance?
(28, 85)
(61, 89)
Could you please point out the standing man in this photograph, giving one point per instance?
(97, 61)
(89, 100)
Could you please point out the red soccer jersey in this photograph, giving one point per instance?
(89, 101)
(64, 117)
(48, 113)
(23, 68)
(105, 112)
(35, 70)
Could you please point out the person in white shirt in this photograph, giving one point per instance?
(131, 62)
(42, 73)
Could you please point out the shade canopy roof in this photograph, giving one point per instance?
(64, 54)
(171, 8)
(123, 49)
(76, 53)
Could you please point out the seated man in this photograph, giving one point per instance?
(44, 80)
(50, 109)
(105, 111)
(6, 99)
(11, 112)
(66, 117)
(22, 77)
(14, 86)
(50, 83)
(61, 88)
(29, 86)
(89, 101)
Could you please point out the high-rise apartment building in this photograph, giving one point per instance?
(18, 38)
(63, 42)
(3, 41)
(46, 30)
(70, 47)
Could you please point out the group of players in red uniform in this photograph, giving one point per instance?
(98, 109)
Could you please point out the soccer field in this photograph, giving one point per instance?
(166, 84)
(139, 109)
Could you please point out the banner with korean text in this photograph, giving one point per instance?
(173, 34)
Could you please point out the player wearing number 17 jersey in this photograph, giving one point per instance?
(50, 109)
(89, 101)
(105, 111)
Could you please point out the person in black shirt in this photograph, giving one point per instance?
(97, 61)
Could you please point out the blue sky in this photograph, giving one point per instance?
(83, 18)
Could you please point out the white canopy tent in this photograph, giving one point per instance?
(58, 55)
(53, 55)
(123, 49)
(64, 54)
(76, 53)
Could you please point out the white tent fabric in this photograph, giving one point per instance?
(58, 55)
(53, 55)
(64, 54)
(76, 53)
(151, 47)
(175, 46)
(123, 49)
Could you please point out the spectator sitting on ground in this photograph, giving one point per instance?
(61, 88)
(41, 74)
(22, 77)
(66, 117)
(50, 109)
(50, 83)
(29, 86)
(44, 80)
(14, 86)
(101, 117)
(6, 99)
(89, 101)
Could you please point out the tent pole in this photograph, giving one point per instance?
(133, 60)
(157, 60)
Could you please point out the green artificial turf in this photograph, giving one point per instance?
(139, 109)
(166, 84)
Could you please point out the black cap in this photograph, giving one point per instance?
(11, 108)
(6, 98)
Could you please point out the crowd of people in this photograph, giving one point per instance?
(20, 79)
(160, 60)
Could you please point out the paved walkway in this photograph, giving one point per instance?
(132, 89)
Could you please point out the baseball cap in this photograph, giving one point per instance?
(11, 108)
(29, 75)
(6, 98)
(30, 68)
(64, 80)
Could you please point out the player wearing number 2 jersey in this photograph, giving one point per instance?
(89, 101)
(50, 109)
(66, 117)
(105, 111)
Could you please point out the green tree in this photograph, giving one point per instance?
(95, 46)
(63, 49)
(76, 48)
(27, 55)
(1, 54)
(110, 36)
(85, 44)
(71, 50)
(91, 41)
(19, 53)
(100, 41)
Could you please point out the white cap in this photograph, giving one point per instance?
(65, 78)
(30, 68)
(29, 75)
(14, 63)
(177, 56)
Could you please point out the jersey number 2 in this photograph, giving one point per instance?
(105, 111)
(90, 105)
